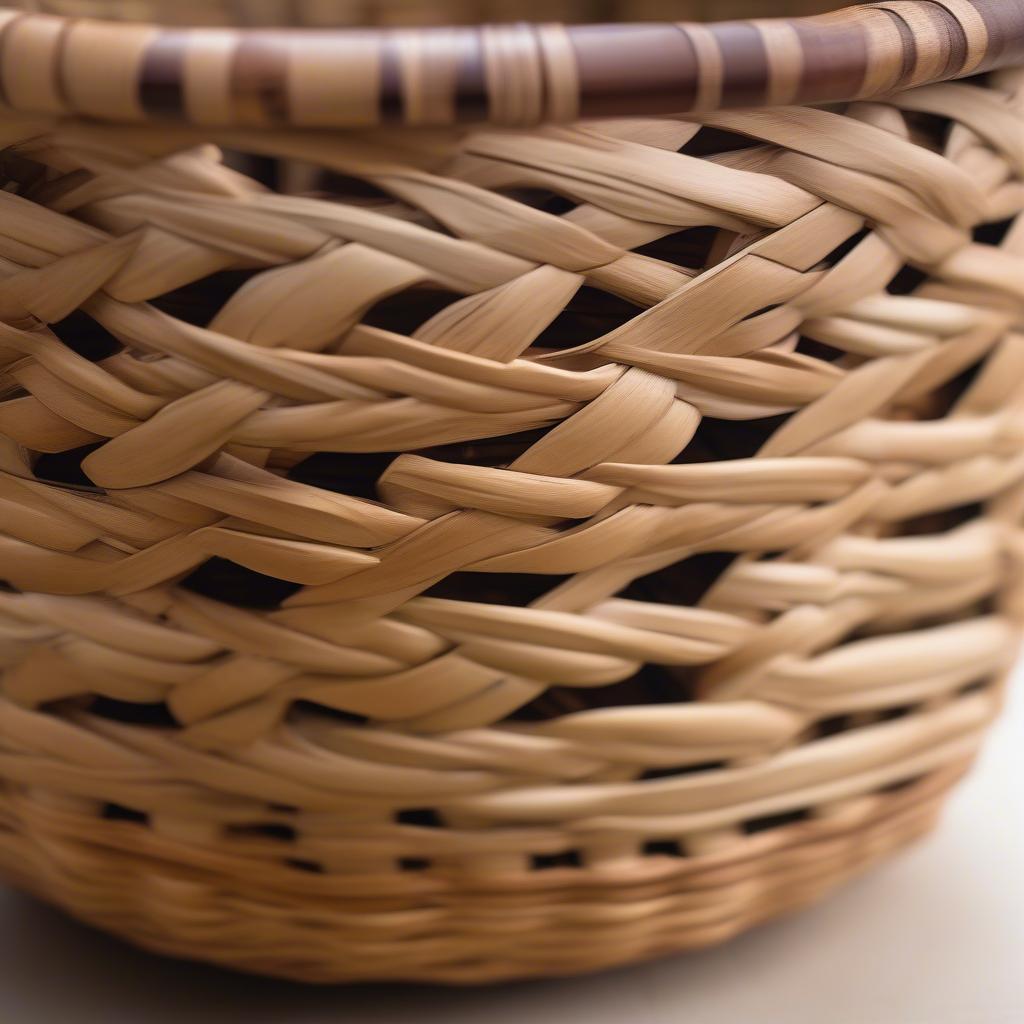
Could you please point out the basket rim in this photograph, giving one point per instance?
(511, 74)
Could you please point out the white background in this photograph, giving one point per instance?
(934, 937)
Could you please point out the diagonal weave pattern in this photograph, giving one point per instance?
(487, 554)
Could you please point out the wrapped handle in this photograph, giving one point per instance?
(505, 74)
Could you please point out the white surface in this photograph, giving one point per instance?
(935, 937)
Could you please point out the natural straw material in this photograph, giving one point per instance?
(473, 553)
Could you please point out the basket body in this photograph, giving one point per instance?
(467, 554)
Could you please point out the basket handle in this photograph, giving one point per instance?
(505, 74)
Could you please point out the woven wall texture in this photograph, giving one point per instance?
(463, 554)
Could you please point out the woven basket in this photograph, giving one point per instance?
(495, 502)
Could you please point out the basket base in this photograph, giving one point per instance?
(158, 895)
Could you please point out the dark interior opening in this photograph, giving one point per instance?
(683, 583)
(663, 848)
(652, 684)
(540, 199)
(819, 350)
(844, 248)
(198, 302)
(513, 588)
(90, 339)
(65, 467)
(770, 821)
(115, 812)
(352, 473)
(547, 861)
(323, 711)
(421, 817)
(224, 580)
(403, 312)
(940, 522)
(309, 866)
(689, 248)
(413, 864)
(356, 473)
(710, 141)
(132, 713)
(717, 440)
(908, 279)
(993, 232)
(589, 314)
(282, 833)
(683, 769)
